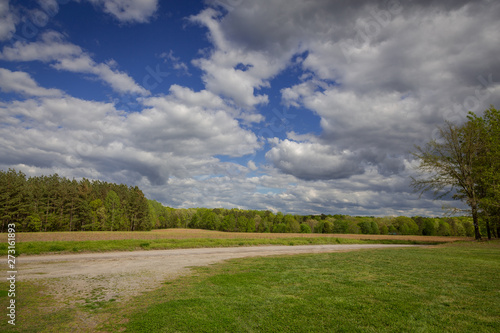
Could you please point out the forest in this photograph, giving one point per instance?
(54, 203)
(266, 221)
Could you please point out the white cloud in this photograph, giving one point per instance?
(167, 149)
(8, 20)
(128, 11)
(22, 82)
(252, 166)
(175, 62)
(53, 48)
(367, 194)
(379, 84)
(119, 81)
(376, 94)
(232, 70)
(50, 47)
(202, 98)
(176, 124)
(312, 160)
(173, 136)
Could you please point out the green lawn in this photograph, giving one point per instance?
(448, 288)
(451, 288)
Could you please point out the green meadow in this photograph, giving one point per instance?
(451, 288)
(446, 288)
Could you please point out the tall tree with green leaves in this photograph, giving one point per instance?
(113, 210)
(13, 198)
(447, 166)
(465, 161)
(487, 167)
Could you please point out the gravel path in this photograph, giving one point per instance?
(75, 278)
(163, 262)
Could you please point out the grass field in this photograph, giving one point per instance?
(446, 288)
(100, 241)
(453, 288)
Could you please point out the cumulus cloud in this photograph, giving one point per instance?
(53, 48)
(381, 75)
(233, 70)
(366, 194)
(50, 47)
(128, 11)
(171, 125)
(173, 136)
(22, 82)
(312, 160)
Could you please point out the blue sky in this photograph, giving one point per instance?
(304, 107)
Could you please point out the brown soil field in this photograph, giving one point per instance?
(198, 233)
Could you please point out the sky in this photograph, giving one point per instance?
(303, 107)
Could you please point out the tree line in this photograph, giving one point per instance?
(464, 161)
(54, 203)
(238, 220)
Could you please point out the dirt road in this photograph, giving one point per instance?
(120, 275)
(91, 280)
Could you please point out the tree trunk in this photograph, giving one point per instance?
(488, 230)
(71, 215)
(477, 233)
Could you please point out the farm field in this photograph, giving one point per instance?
(103, 241)
(199, 233)
(450, 287)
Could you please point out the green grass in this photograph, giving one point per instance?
(449, 288)
(452, 288)
(158, 244)
(36, 311)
